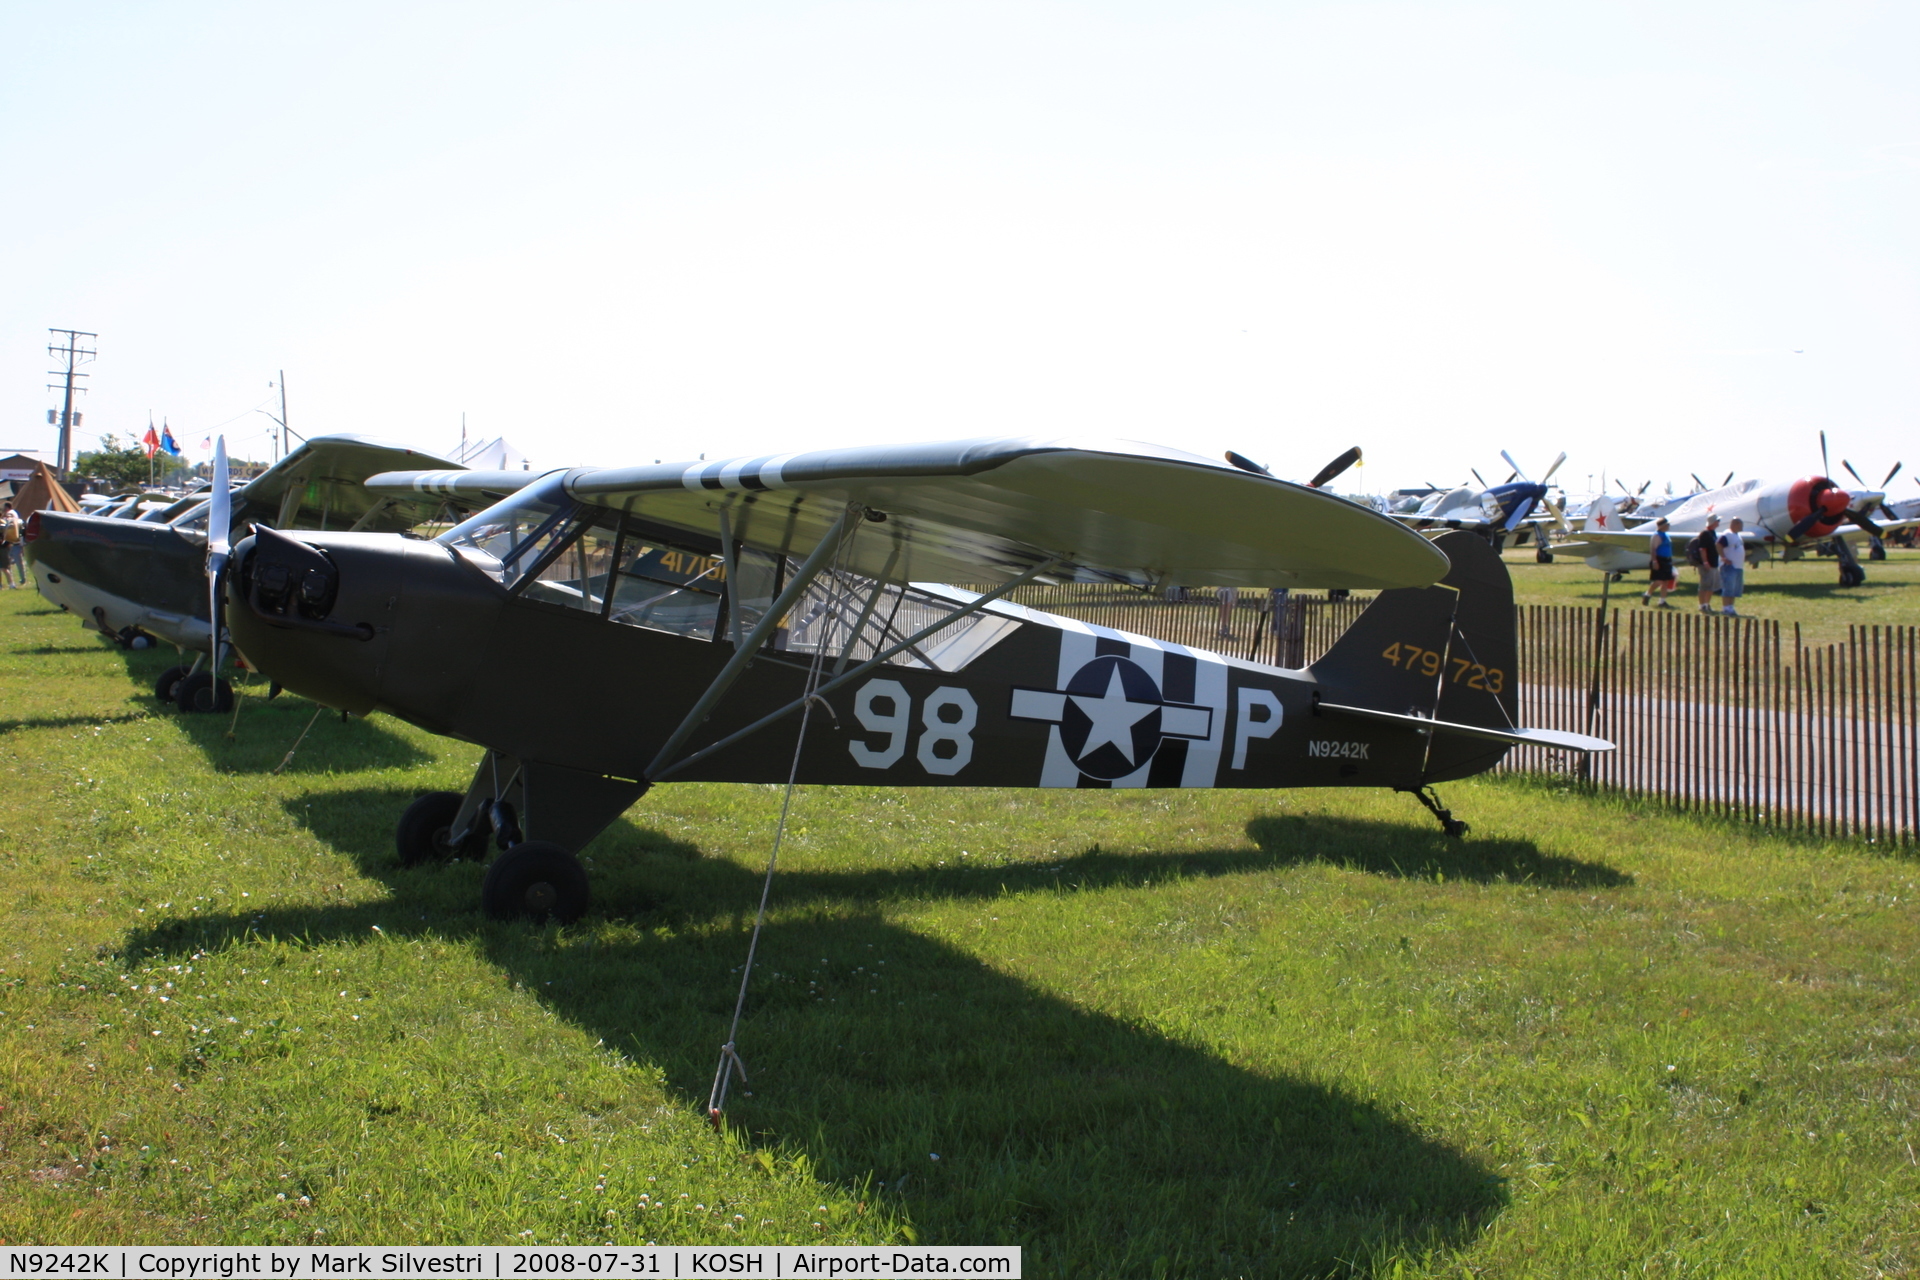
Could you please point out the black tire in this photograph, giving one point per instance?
(1541, 555)
(201, 692)
(421, 834)
(169, 679)
(535, 880)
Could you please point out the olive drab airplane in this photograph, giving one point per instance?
(603, 630)
(137, 580)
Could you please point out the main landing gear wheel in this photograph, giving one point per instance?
(201, 692)
(169, 680)
(536, 880)
(423, 832)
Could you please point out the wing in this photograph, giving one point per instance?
(322, 484)
(982, 511)
(1591, 541)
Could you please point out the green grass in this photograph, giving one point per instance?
(1181, 1034)
(1806, 591)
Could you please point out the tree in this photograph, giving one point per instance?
(124, 466)
(114, 465)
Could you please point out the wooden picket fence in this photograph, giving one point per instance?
(1736, 717)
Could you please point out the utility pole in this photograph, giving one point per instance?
(285, 446)
(71, 356)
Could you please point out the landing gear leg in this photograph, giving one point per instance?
(1851, 574)
(1448, 823)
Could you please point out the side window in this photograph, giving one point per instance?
(668, 589)
(577, 576)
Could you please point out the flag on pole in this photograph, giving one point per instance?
(150, 441)
(207, 443)
(168, 445)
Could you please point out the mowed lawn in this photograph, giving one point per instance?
(1140, 1034)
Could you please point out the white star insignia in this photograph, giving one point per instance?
(1113, 718)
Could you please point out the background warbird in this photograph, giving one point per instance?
(602, 630)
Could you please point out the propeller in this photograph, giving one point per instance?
(1860, 518)
(1727, 481)
(1327, 473)
(219, 517)
(1825, 466)
(1559, 516)
(1891, 474)
(1247, 464)
(1510, 462)
(1482, 479)
(1818, 513)
(1855, 474)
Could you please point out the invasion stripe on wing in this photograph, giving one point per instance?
(756, 474)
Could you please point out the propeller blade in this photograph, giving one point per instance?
(1825, 466)
(1891, 474)
(1482, 479)
(1511, 462)
(1511, 477)
(1855, 474)
(1805, 524)
(1727, 481)
(219, 542)
(1553, 467)
(1623, 487)
(1697, 480)
(1559, 515)
(1643, 488)
(1860, 518)
(1334, 468)
(1247, 464)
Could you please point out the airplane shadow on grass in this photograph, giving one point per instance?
(1101, 1145)
(1422, 853)
(267, 730)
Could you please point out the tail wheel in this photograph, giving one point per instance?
(1541, 555)
(163, 688)
(424, 830)
(538, 881)
(202, 692)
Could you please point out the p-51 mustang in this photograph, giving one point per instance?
(135, 580)
(603, 630)
(1500, 513)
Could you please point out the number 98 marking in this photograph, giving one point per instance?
(947, 720)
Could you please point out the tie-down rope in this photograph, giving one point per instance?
(731, 1066)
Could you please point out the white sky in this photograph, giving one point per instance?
(615, 232)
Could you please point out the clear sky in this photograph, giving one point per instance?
(1663, 237)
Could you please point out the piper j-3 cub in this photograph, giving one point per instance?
(136, 580)
(604, 630)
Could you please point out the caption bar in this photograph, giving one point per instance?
(773, 1262)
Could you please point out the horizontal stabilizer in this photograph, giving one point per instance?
(1555, 738)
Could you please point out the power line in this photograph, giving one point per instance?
(71, 356)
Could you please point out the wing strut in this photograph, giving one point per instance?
(750, 646)
(658, 774)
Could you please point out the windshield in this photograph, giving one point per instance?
(509, 540)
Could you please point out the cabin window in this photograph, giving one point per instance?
(515, 541)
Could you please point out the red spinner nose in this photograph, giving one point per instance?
(1817, 495)
(32, 532)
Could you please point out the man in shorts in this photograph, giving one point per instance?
(1660, 565)
(1733, 566)
(1703, 553)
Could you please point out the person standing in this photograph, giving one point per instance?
(1229, 596)
(11, 547)
(1660, 565)
(1703, 553)
(1733, 566)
